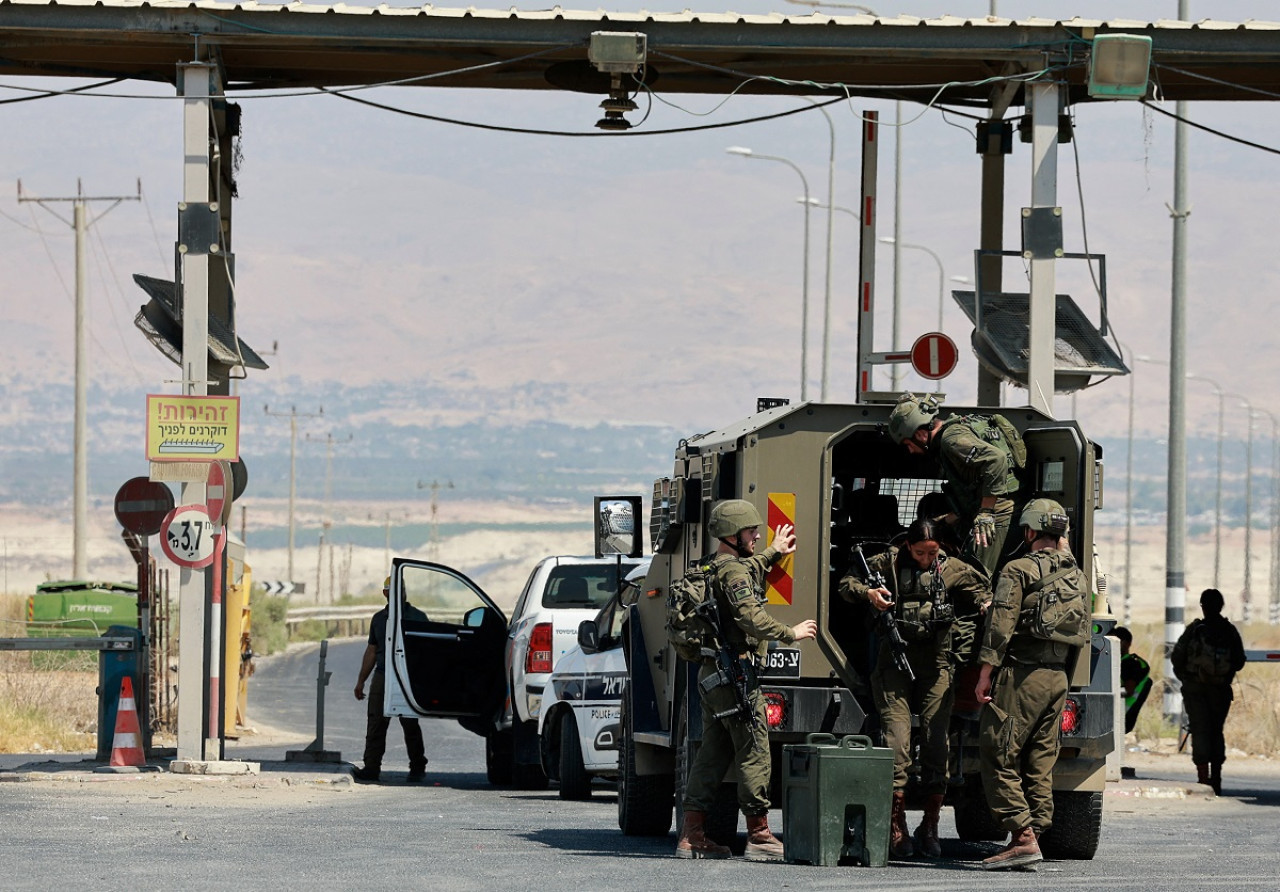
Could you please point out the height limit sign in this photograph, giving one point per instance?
(187, 536)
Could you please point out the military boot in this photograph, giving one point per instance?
(1215, 778)
(899, 836)
(693, 839)
(368, 774)
(1022, 852)
(1202, 773)
(762, 845)
(927, 833)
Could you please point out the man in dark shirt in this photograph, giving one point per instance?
(375, 738)
(1135, 678)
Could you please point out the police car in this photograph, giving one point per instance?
(578, 727)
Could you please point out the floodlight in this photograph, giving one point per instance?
(1119, 66)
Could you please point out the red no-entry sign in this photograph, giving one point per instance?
(141, 505)
(217, 492)
(934, 355)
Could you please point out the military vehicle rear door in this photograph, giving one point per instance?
(445, 644)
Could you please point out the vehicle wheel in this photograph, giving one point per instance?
(722, 819)
(575, 782)
(1077, 826)
(526, 775)
(644, 800)
(974, 821)
(499, 750)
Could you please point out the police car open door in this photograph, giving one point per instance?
(445, 644)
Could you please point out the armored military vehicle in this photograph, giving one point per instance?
(832, 471)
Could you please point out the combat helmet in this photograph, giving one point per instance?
(1044, 516)
(910, 414)
(732, 516)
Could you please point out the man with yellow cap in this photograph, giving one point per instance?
(375, 737)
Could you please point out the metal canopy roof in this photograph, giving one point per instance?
(263, 45)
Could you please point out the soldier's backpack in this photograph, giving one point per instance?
(1208, 660)
(998, 429)
(690, 604)
(1056, 607)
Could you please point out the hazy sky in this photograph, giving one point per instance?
(652, 276)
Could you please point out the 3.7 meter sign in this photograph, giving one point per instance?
(187, 536)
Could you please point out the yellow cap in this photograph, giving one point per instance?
(386, 583)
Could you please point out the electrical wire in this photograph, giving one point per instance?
(47, 94)
(155, 232)
(1207, 129)
(1215, 80)
(100, 258)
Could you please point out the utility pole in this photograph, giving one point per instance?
(327, 519)
(80, 222)
(433, 547)
(293, 417)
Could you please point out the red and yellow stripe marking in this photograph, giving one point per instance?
(781, 578)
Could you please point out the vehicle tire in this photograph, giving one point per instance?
(644, 801)
(974, 821)
(499, 751)
(526, 775)
(722, 819)
(575, 782)
(1077, 826)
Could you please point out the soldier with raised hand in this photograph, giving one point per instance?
(979, 464)
(928, 593)
(737, 582)
(1023, 683)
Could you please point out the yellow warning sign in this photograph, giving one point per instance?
(193, 428)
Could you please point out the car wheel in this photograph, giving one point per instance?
(974, 821)
(644, 800)
(1077, 825)
(499, 751)
(524, 774)
(575, 782)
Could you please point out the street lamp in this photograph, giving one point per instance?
(942, 275)
(293, 417)
(826, 297)
(1217, 499)
(1246, 595)
(804, 291)
(1273, 612)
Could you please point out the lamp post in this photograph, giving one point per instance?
(1127, 609)
(1246, 594)
(1274, 577)
(804, 289)
(1217, 499)
(293, 417)
(826, 296)
(942, 275)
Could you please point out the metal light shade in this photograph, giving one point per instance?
(1120, 66)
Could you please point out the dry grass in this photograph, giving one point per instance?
(42, 710)
(1253, 726)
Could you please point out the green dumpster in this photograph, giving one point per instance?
(836, 801)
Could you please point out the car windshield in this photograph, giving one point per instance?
(586, 586)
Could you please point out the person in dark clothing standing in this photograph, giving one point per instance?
(375, 738)
(1206, 659)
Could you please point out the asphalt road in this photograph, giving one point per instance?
(311, 827)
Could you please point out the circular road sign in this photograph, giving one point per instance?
(217, 491)
(187, 536)
(142, 504)
(934, 355)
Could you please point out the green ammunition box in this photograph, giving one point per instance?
(836, 801)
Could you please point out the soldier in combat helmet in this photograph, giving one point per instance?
(979, 457)
(737, 583)
(929, 595)
(1023, 684)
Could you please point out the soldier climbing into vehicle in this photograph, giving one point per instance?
(929, 594)
(736, 579)
(980, 457)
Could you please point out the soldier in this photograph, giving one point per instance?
(737, 583)
(1206, 659)
(979, 456)
(929, 595)
(1023, 680)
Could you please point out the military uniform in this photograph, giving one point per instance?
(929, 651)
(976, 467)
(1207, 701)
(1018, 735)
(747, 628)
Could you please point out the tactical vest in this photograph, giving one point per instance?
(1000, 433)
(916, 599)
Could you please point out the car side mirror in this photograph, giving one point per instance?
(618, 525)
(589, 636)
(474, 618)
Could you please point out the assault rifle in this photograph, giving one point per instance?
(888, 623)
(730, 670)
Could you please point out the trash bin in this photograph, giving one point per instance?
(113, 666)
(836, 801)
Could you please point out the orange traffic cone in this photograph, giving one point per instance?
(126, 747)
